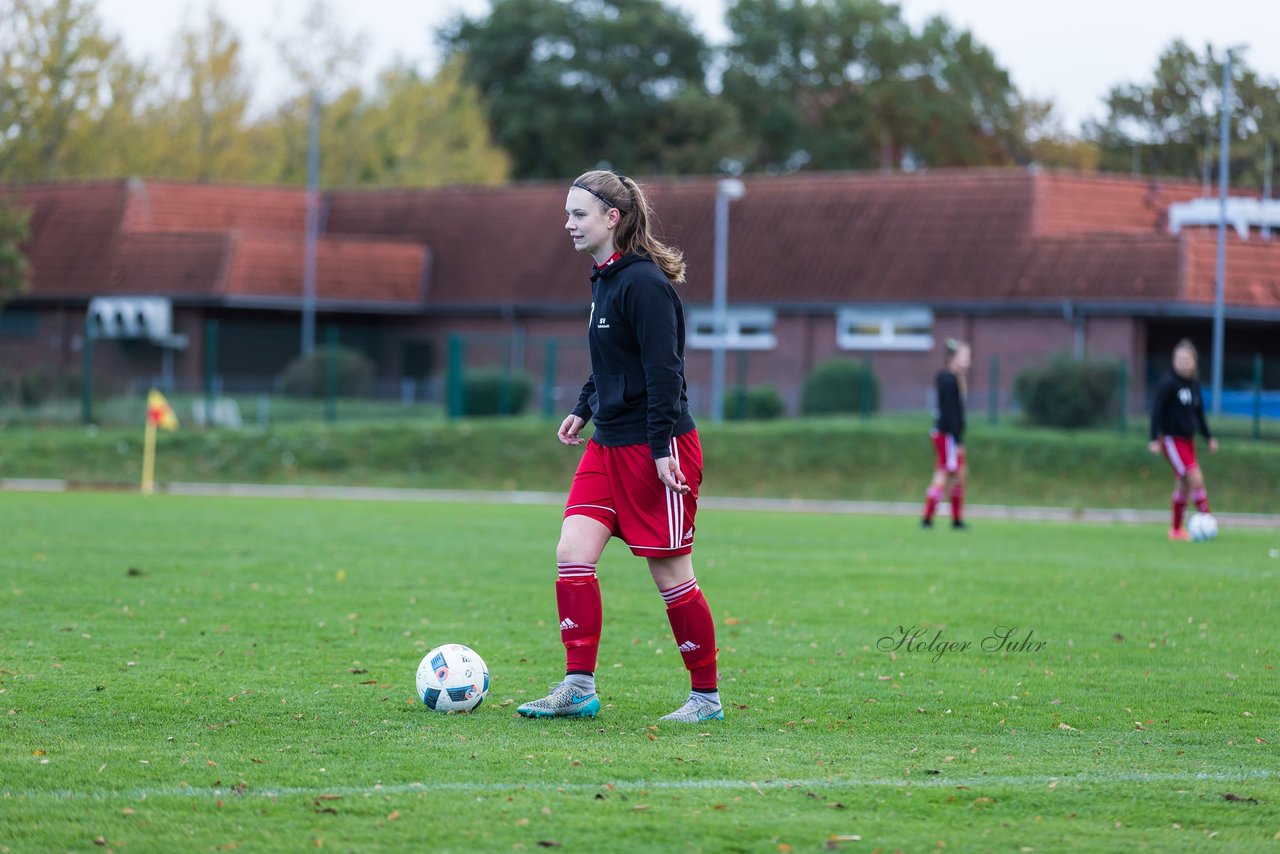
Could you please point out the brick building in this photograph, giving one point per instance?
(869, 266)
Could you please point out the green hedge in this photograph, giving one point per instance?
(308, 376)
(887, 459)
(840, 387)
(495, 393)
(761, 403)
(1070, 393)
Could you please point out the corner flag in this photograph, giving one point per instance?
(159, 414)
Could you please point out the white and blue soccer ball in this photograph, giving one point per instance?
(452, 678)
(1202, 527)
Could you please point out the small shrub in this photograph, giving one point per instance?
(495, 393)
(840, 386)
(307, 376)
(39, 386)
(1069, 393)
(756, 404)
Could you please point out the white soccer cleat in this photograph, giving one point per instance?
(697, 708)
(564, 701)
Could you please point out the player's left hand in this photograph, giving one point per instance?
(1213, 446)
(671, 476)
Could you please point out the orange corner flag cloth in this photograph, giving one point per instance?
(159, 412)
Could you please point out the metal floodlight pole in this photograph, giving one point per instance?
(312, 226)
(1219, 291)
(727, 190)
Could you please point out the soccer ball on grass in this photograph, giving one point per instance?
(1202, 527)
(452, 678)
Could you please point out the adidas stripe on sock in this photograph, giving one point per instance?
(671, 594)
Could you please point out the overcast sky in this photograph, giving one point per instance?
(1070, 52)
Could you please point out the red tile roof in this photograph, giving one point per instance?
(196, 240)
(1253, 269)
(939, 237)
(168, 206)
(347, 269)
(1077, 203)
(73, 230)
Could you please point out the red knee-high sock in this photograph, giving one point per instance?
(1179, 507)
(1201, 498)
(957, 501)
(581, 615)
(931, 499)
(695, 632)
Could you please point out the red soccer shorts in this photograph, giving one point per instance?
(950, 452)
(619, 488)
(1180, 451)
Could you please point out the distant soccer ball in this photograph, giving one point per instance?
(452, 678)
(1202, 527)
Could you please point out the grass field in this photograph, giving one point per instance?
(211, 674)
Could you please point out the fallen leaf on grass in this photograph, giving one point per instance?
(548, 843)
(640, 807)
(394, 814)
(100, 840)
(329, 810)
(984, 800)
(1232, 796)
(1067, 727)
(328, 798)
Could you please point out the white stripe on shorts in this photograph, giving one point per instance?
(675, 504)
(1171, 449)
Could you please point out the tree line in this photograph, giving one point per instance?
(542, 89)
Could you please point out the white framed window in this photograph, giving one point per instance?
(745, 329)
(884, 328)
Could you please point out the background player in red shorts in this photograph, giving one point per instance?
(1177, 414)
(948, 437)
(639, 474)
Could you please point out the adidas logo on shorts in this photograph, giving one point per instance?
(567, 624)
(689, 646)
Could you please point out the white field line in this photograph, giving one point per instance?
(773, 505)
(831, 783)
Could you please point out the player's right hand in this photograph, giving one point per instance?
(570, 429)
(1153, 446)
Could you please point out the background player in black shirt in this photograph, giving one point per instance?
(948, 436)
(1177, 414)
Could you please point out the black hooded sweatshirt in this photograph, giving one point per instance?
(1178, 409)
(636, 394)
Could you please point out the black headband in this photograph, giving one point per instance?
(601, 196)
